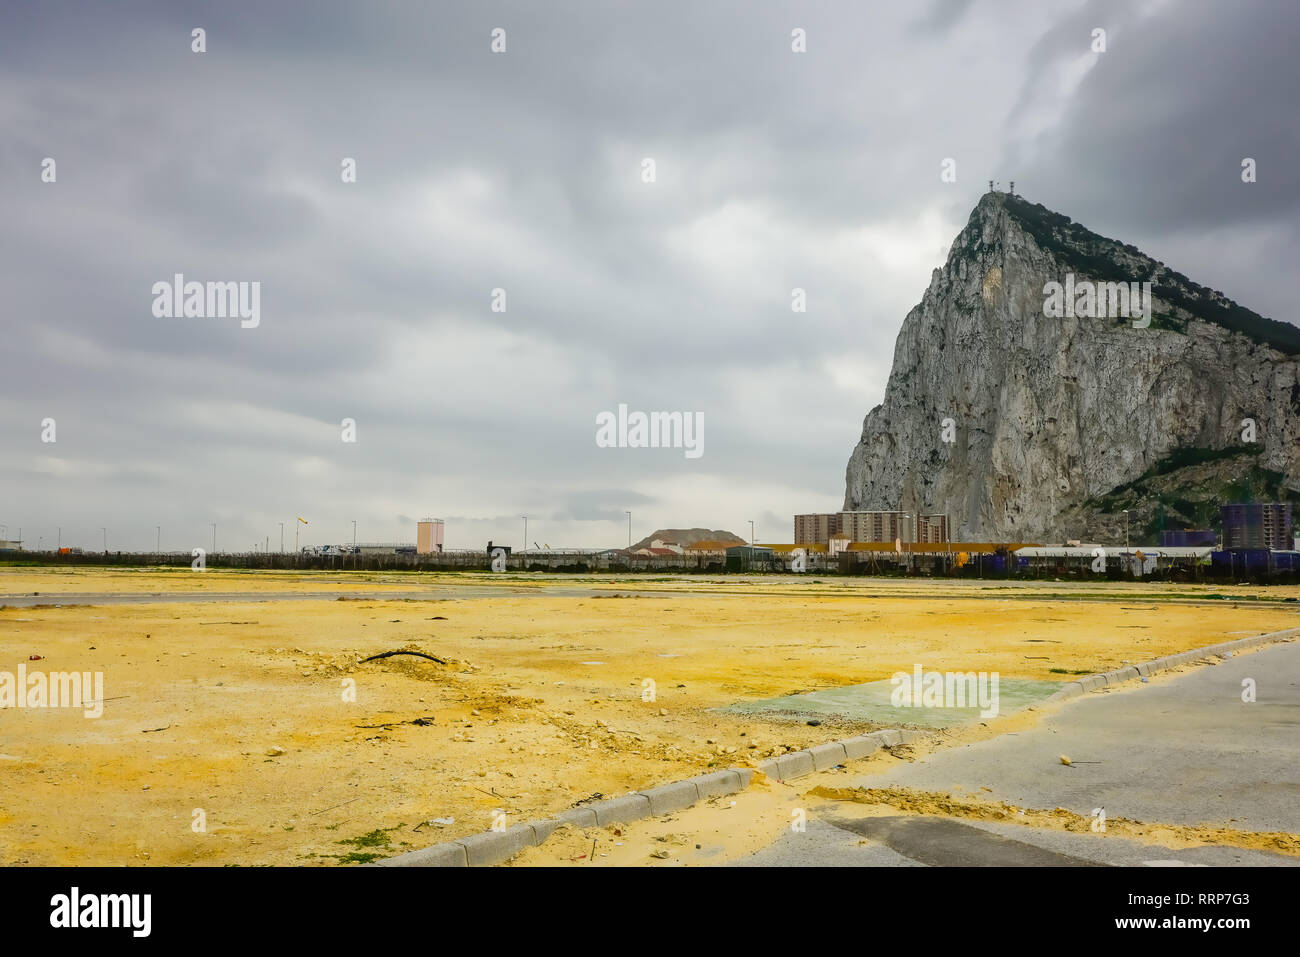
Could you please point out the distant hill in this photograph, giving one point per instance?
(689, 536)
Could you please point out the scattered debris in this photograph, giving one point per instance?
(323, 810)
(389, 654)
(421, 722)
(1069, 764)
(435, 822)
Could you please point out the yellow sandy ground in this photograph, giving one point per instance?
(539, 704)
(53, 581)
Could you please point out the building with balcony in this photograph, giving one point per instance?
(820, 528)
(1257, 525)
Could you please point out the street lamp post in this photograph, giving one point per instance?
(105, 531)
(525, 518)
(214, 538)
(158, 546)
(1128, 560)
(947, 539)
(629, 528)
(282, 538)
(751, 533)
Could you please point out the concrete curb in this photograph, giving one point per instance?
(494, 847)
(1110, 679)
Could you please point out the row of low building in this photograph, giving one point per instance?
(429, 534)
(917, 540)
(841, 554)
(1010, 558)
(1255, 536)
(664, 548)
(1245, 525)
(361, 548)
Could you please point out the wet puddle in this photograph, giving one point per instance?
(872, 702)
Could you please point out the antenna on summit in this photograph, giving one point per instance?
(1011, 189)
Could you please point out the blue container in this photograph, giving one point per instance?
(1286, 561)
(1241, 559)
(1187, 538)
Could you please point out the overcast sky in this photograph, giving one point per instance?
(522, 171)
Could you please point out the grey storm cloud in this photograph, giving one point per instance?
(600, 505)
(522, 171)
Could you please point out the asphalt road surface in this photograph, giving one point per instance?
(1184, 749)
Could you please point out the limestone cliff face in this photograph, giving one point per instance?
(1052, 413)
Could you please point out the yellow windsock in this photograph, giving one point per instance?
(303, 520)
